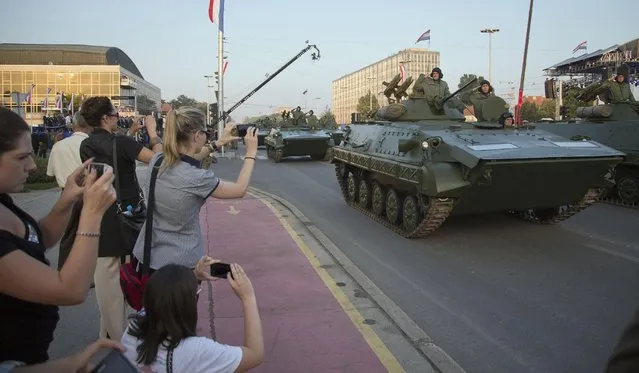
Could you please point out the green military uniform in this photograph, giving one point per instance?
(620, 92)
(311, 119)
(474, 98)
(299, 119)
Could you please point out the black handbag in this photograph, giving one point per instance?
(131, 220)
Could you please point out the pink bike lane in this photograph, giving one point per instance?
(305, 327)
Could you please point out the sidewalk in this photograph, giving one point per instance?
(309, 325)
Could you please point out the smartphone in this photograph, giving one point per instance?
(115, 362)
(220, 269)
(99, 168)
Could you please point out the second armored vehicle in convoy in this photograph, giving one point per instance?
(615, 125)
(295, 138)
(418, 162)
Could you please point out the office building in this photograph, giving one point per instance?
(47, 70)
(347, 90)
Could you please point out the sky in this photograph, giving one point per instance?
(174, 44)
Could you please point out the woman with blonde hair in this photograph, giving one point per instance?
(182, 187)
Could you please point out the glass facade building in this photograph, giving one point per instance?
(79, 70)
(347, 90)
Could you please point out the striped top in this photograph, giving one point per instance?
(180, 193)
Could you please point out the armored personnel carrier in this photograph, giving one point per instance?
(615, 125)
(295, 138)
(418, 162)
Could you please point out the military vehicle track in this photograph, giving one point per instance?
(437, 211)
(591, 197)
(616, 201)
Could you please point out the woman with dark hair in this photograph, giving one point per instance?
(162, 339)
(30, 290)
(115, 243)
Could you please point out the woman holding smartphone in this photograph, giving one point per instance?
(182, 188)
(30, 290)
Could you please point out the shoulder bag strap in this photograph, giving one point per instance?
(115, 175)
(169, 361)
(146, 261)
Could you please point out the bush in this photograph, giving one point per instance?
(40, 174)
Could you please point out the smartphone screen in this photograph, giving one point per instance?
(98, 167)
(220, 269)
(115, 362)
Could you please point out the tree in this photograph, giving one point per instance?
(146, 106)
(529, 111)
(183, 100)
(367, 105)
(570, 101)
(547, 109)
(327, 120)
(467, 78)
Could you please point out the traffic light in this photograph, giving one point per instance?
(549, 87)
(563, 111)
(213, 112)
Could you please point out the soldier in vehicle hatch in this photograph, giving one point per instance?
(433, 86)
(507, 119)
(619, 91)
(299, 119)
(472, 97)
(311, 119)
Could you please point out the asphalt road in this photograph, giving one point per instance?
(498, 294)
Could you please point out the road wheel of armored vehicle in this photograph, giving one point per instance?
(364, 197)
(411, 214)
(628, 189)
(378, 199)
(393, 206)
(352, 184)
(278, 154)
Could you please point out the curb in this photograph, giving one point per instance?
(418, 337)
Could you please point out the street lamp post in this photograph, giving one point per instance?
(208, 99)
(490, 32)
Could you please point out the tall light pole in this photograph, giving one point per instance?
(490, 32)
(208, 99)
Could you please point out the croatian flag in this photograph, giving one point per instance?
(402, 73)
(424, 36)
(216, 13)
(583, 45)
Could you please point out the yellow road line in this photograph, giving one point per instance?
(379, 348)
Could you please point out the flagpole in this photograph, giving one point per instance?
(220, 75)
(523, 68)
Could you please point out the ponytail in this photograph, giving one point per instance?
(180, 125)
(170, 141)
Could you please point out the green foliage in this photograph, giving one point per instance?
(548, 108)
(40, 174)
(327, 120)
(529, 111)
(146, 106)
(467, 78)
(183, 100)
(570, 101)
(367, 105)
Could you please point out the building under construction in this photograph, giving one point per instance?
(348, 89)
(591, 67)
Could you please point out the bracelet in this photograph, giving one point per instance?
(88, 234)
(245, 158)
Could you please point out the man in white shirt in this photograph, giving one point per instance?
(63, 160)
(65, 154)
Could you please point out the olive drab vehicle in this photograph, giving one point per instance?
(615, 125)
(295, 138)
(418, 162)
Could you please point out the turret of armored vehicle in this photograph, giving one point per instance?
(615, 125)
(294, 138)
(418, 162)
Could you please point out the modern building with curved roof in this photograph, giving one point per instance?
(51, 71)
